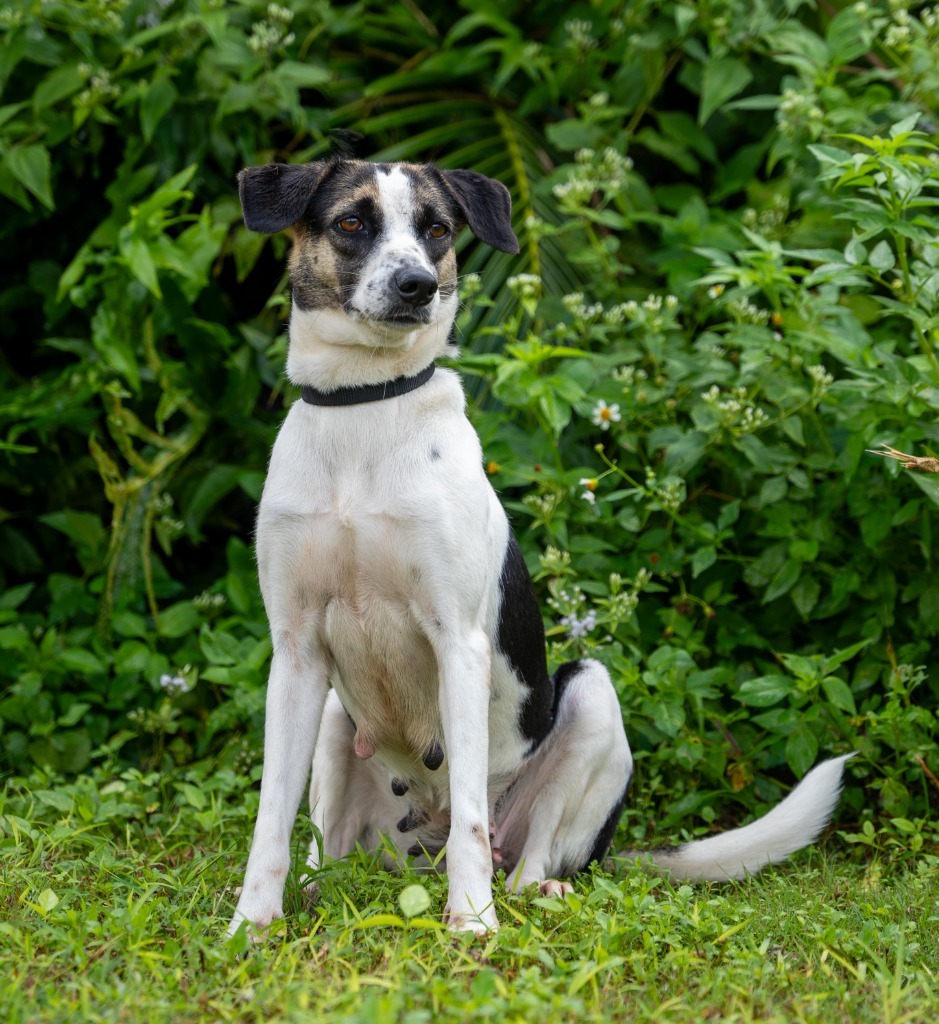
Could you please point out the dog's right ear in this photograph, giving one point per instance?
(277, 195)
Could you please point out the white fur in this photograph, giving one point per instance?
(789, 826)
(380, 547)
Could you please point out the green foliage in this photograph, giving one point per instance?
(727, 291)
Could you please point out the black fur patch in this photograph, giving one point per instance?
(486, 205)
(562, 676)
(277, 195)
(412, 820)
(346, 143)
(521, 640)
(605, 835)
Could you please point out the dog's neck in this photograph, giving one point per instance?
(328, 350)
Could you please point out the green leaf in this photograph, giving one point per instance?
(843, 655)
(729, 515)
(703, 559)
(137, 256)
(31, 166)
(766, 690)
(58, 84)
(193, 795)
(220, 648)
(804, 549)
(157, 101)
(83, 527)
(213, 486)
(15, 596)
(179, 619)
(773, 490)
(882, 258)
(903, 825)
(854, 252)
(804, 595)
(792, 428)
(829, 155)
(413, 900)
(81, 661)
(722, 79)
(847, 37)
(928, 483)
(9, 111)
(784, 580)
(55, 798)
(74, 714)
(801, 750)
(668, 717)
(47, 901)
(908, 124)
(301, 75)
(556, 411)
(839, 693)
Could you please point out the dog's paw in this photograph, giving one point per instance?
(257, 923)
(311, 890)
(470, 921)
(552, 887)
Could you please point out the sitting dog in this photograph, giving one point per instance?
(409, 663)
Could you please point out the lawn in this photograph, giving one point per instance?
(116, 894)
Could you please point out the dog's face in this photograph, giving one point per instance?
(373, 243)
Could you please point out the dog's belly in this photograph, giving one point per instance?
(385, 675)
(385, 672)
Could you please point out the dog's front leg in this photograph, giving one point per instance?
(465, 666)
(296, 692)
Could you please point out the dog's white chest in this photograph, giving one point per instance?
(357, 512)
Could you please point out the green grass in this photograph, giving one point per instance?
(115, 894)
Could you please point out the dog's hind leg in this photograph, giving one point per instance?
(562, 813)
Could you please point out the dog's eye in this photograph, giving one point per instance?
(351, 224)
(437, 230)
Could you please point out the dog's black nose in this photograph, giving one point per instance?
(415, 286)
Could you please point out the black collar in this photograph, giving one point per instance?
(362, 393)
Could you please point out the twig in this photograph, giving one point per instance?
(923, 462)
(929, 775)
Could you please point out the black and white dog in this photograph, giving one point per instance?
(409, 660)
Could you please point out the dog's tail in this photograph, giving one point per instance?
(789, 826)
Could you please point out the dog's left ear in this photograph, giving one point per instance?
(277, 195)
(486, 205)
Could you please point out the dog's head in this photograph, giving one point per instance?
(373, 243)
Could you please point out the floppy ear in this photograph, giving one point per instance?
(277, 195)
(486, 205)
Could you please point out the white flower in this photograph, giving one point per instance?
(604, 415)
(589, 483)
(174, 684)
(580, 627)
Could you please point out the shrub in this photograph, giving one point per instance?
(726, 293)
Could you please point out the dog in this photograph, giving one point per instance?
(409, 669)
